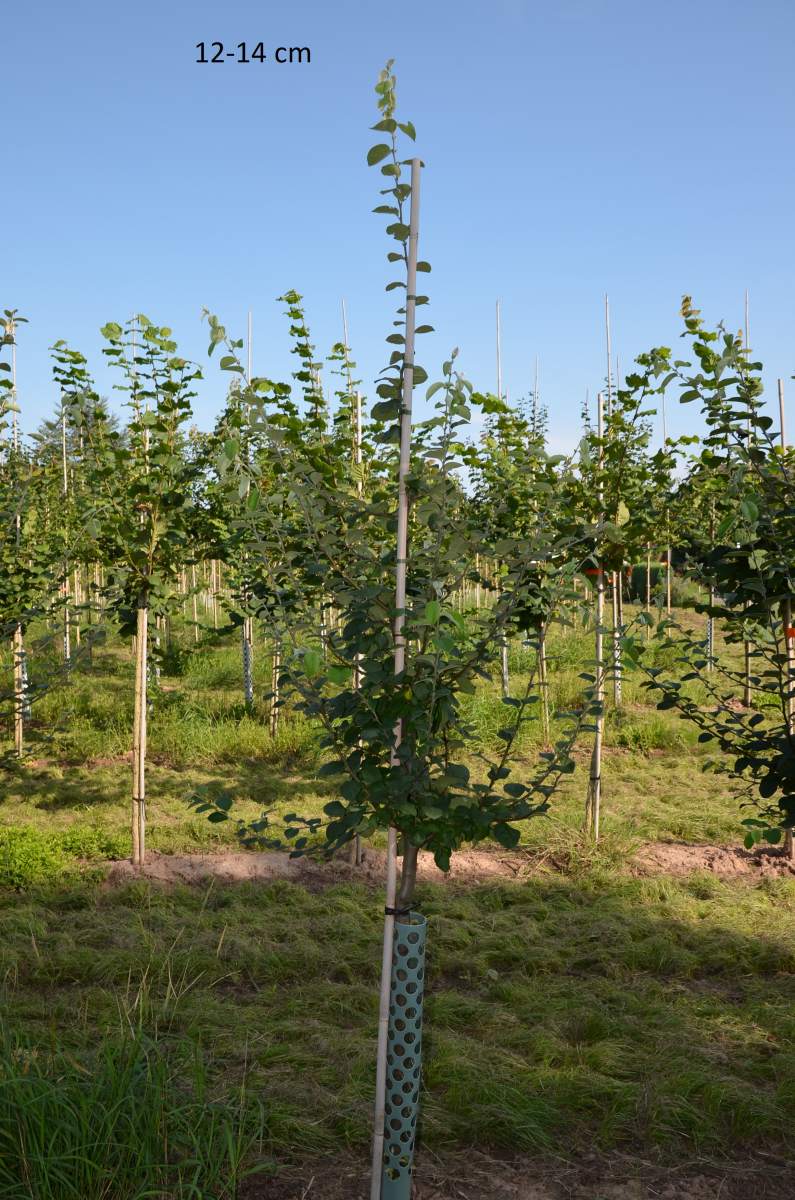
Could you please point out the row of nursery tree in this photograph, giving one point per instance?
(269, 520)
(387, 563)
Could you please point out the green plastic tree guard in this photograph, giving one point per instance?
(404, 1056)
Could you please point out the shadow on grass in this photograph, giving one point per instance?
(80, 787)
(649, 1014)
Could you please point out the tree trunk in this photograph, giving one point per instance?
(747, 693)
(275, 667)
(408, 876)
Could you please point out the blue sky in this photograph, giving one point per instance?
(572, 148)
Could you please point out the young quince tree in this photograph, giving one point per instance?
(387, 694)
(749, 566)
(146, 490)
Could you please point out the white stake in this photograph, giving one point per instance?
(356, 844)
(67, 645)
(247, 631)
(609, 358)
(503, 638)
(789, 645)
(535, 399)
(400, 663)
(747, 692)
(615, 577)
(594, 803)
(499, 354)
(20, 673)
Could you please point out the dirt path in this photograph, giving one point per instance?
(468, 866)
(591, 1177)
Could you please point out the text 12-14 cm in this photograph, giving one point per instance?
(215, 52)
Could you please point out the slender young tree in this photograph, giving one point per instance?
(145, 487)
(395, 559)
(751, 568)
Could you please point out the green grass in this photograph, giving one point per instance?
(582, 1007)
(129, 1122)
(595, 1008)
(78, 775)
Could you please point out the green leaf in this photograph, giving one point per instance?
(331, 768)
(506, 835)
(433, 610)
(385, 410)
(313, 662)
(376, 153)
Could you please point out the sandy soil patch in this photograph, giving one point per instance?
(468, 866)
(676, 858)
(238, 866)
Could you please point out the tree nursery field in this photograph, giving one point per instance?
(390, 807)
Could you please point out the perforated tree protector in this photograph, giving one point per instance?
(404, 1056)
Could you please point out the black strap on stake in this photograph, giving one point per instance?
(397, 912)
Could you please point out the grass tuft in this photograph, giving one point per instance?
(132, 1121)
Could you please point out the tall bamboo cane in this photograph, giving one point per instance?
(614, 575)
(747, 693)
(356, 844)
(195, 602)
(789, 644)
(141, 676)
(710, 618)
(503, 636)
(18, 637)
(594, 802)
(67, 648)
(400, 663)
(139, 732)
(247, 631)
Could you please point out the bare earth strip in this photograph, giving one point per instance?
(468, 866)
(593, 1177)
